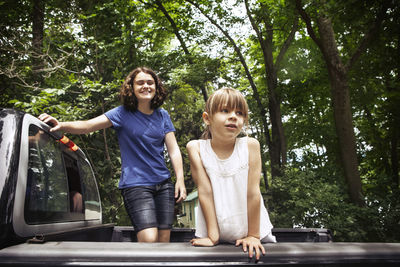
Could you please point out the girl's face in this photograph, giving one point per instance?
(226, 123)
(144, 87)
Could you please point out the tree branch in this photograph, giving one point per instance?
(253, 25)
(175, 29)
(372, 33)
(244, 64)
(287, 43)
(307, 20)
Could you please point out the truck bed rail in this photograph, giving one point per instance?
(183, 254)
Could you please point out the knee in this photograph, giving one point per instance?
(148, 235)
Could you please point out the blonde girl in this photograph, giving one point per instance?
(227, 169)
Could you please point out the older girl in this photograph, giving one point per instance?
(142, 128)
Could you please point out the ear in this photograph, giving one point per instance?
(206, 118)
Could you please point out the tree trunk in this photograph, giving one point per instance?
(341, 109)
(277, 141)
(37, 40)
(394, 157)
(277, 135)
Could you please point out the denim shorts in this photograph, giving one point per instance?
(150, 206)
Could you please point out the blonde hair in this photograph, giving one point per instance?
(225, 98)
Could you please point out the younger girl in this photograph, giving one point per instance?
(142, 128)
(227, 170)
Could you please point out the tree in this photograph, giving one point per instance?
(37, 39)
(260, 14)
(338, 71)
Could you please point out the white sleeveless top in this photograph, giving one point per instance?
(229, 184)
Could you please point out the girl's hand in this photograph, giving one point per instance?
(252, 243)
(46, 118)
(203, 242)
(180, 191)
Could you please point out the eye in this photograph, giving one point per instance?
(224, 110)
(239, 113)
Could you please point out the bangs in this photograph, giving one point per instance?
(227, 98)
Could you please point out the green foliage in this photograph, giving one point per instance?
(90, 46)
(309, 199)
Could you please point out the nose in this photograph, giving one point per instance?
(232, 115)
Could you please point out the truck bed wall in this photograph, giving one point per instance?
(112, 233)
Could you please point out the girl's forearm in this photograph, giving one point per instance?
(207, 206)
(177, 165)
(84, 127)
(74, 127)
(253, 215)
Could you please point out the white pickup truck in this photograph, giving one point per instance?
(51, 215)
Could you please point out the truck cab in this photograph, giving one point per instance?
(47, 184)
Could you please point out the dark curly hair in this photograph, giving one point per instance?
(127, 95)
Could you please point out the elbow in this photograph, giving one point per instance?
(214, 240)
(205, 193)
(213, 234)
(254, 197)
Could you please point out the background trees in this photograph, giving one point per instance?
(321, 79)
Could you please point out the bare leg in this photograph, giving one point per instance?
(148, 235)
(164, 235)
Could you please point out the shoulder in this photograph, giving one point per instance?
(193, 151)
(117, 110)
(253, 144)
(162, 111)
(193, 145)
(116, 113)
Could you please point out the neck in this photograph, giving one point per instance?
(223, 148)
(145, 108)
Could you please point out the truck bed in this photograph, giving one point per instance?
(183, 254)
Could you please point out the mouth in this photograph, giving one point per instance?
(231, 126)
(146, 91)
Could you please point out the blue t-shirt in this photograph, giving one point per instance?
(141, 141)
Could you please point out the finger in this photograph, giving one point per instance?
(48, 119)
(251, 252)
(178, 197)
(55, 128)
(257, 250)
(244, 244)
(182, 195)
(176, 192)
(43, 115)
(262, 249)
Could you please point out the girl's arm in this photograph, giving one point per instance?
(176, 159)
(252, 241)
(206, 198)
(77, 127)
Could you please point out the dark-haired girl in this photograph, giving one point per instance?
(142, 129)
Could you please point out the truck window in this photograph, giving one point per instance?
(46, 197)
(90, 191)
(74, 184)
(55, 191)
